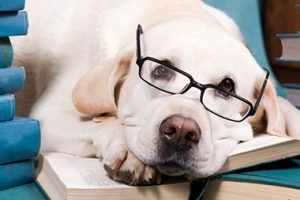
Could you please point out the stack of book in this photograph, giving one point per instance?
(290, 43)
(19, 137)
(259, 165)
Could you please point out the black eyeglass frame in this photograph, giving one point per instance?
(202, 87)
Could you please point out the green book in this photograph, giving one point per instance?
(273, 181)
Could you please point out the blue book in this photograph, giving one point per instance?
(19, 139)
(278, 180)
(290, 47)
(7, 107)
(6, 52)
(13, 23)
(30, 191)
(12, 5)
(16, 174)
(11, 79)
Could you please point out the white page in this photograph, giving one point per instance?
(259, 141)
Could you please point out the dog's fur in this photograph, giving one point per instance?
(80, 62)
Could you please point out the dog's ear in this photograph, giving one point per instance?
(97, 92)
(276, 115)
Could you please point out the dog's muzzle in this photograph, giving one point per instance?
(178, 136)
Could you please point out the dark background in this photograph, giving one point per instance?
(281, 16)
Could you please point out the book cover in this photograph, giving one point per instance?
(19, 139)
(29, 191)
(290, 47)
(273, 181)
(11, 79)
(13, 23)
(7, 107)
(17, 173)
(6, 52)
(12, 5)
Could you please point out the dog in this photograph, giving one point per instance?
(173, 95)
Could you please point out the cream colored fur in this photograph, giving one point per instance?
(80, 62)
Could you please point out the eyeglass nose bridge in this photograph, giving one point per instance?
(197, 85)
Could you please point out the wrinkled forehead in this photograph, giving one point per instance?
(206, 51)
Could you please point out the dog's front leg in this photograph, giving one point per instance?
(119, 162)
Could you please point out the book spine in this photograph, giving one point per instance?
(285, 35)
(11, 80)
(19, 139)
(6, 52)
(12, 5)
(13, 23)
(16, 174)
(280, 59)
(7, 107)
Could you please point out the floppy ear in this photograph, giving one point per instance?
(291, 116)
(276, 115)
(275, 123)
(97, 91)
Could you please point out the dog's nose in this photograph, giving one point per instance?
(180, 131)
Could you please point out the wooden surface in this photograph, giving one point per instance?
(281, 16)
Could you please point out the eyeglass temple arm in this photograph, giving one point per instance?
(138, 41)
(262, 90)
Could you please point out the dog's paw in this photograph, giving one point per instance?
(129, 169)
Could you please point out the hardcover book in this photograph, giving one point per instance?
(290, 47)
(13, 23)
(29, 191)
(12, 5)
(11, 79)
(19, 139)
(274, 181)
(7, 107)
(6, 52)
(67, 177)
(17, 173)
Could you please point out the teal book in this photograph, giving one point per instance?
(7, 107)
(13, 23)
(11, 79)
(12, 5)
(29, 191)
(6, 52)
(17, 173)
(19, 139)
(272, 181)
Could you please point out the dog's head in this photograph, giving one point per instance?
(177, 109)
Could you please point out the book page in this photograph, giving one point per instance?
(77, 172)
(259, 141)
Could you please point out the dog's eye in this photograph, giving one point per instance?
(162, 72)
(227, 85)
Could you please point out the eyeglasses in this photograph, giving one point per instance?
(167, 78)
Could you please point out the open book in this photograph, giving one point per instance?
(68, 177)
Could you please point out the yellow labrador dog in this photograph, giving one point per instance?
(173, 95)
